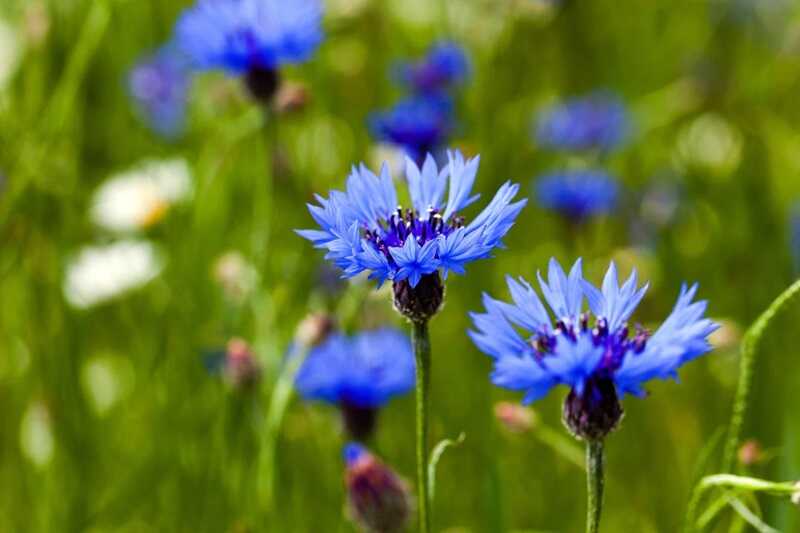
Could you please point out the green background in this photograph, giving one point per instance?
(713, 90)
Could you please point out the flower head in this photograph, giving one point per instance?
(140, 197)
(596, 354)
(419, 124)
(598, 121)
(359, 374)
(242, 35)
(577, 194)
(158, 86)
(101, 273)
(445, 66)
(364, 229)
(378, 500)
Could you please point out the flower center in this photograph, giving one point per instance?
(617, 344)
(403, 224)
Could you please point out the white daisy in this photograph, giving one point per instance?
(99, 273)
(138, 198)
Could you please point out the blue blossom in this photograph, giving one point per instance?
(363, 229)
(577, 194)
(363, 371)
(240, 35)
(598, 121)
(419, 124)
(158, 86)
(567, 346)
(445, 66)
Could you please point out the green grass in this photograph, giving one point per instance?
(175, 450)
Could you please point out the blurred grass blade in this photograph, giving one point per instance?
(750, 517)
(750, 344)
(436, 455)
(279, 402)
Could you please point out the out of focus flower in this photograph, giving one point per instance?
(358, 374)
(158, 86)
(100, 273)
(237, 277)
(36, 22)
(598, 121)
(391, 154)
(241, 367)
(377, 499)
(253, 38)
(445, 66)
(710, 143)
(106, 380)
(514, 417)
(751, 453)
(314, 329)
(599, 362)
(419, 124)
(138, 198)
(796, 495)
(577, 194)
(727, 336)
(291, 97)
(10, 53)
(36, 435)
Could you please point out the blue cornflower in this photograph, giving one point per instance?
(598, 357)
(239, 35)
(419, 124)
(598, 121)
(364, 229)
(359, 374)
(158, 86)
(445, 66)
(577, 194)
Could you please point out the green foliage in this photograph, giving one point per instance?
(110, 420)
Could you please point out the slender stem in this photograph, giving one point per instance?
(594, 484)
(422, 352)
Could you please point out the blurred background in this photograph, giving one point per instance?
(137, 244)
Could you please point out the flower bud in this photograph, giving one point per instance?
(314, 329)
(262, 83)
(751, 453)
(241, 367)
(596, 412)
(422, 302)
(514, 417)
(291, 97)
(378, 500)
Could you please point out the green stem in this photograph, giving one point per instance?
(422, 352)
(750, 344)
(594, 484)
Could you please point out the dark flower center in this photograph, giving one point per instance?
(407, 223)
(618, 344)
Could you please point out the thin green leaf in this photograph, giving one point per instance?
(749, 516)
(436, 454)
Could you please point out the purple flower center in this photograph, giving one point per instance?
(617, 344)
(407, 223)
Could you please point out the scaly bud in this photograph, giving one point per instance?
(422, 302)
(378, 500)
(314, 329)
(241, 367)
(596, 412)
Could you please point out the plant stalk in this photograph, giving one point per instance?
(422, 352)
(594, 484)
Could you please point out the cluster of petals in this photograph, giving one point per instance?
(567, 346)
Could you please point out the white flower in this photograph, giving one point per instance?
(99, 273)
(139, 198)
